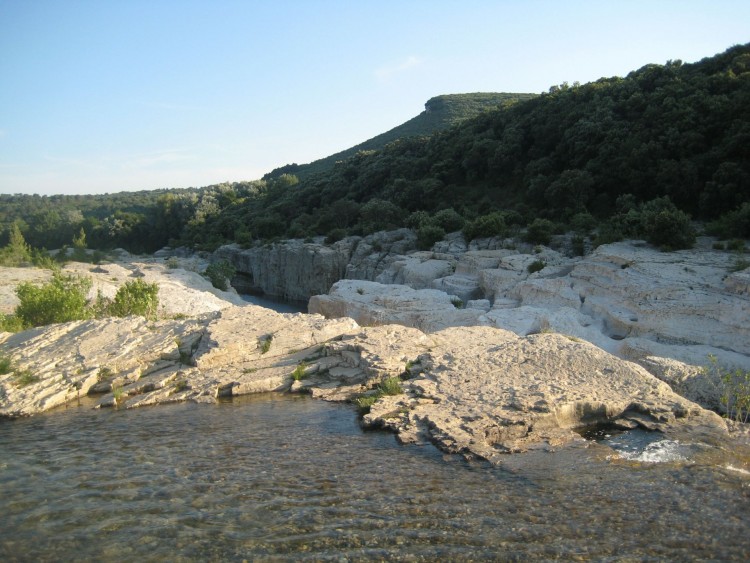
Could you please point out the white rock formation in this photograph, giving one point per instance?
(628, 298)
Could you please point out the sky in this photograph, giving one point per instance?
(105, 96)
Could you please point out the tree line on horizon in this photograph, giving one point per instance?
(639, 155)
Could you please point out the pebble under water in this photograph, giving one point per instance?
(277, 477)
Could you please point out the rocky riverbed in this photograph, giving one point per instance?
(467, 383)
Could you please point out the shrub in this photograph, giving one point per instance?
(390, 386)
(449, 219)
(335, 235)
(428, 235)
(457, 302)
(136, 298)
(24, 378)
(735, 397)
(364, 402)
(540, 231)
(10, 323)
(299, 372)
(60, 300)
(491, 225)
(17, 252)
(733, 224)
(6, 364)
(535, 266)
(265, 343)
(220, 273)
(663, 225)
(583, 223)
(417, 219)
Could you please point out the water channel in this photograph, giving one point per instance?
(282, 477)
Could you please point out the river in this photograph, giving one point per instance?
(281, 477)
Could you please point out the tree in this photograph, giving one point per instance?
(17, 252)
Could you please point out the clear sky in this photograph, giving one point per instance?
(110, 95)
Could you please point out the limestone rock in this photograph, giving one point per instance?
(373, 304)
(486, 392)
(292, 269)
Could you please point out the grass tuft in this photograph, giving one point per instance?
(299, 372)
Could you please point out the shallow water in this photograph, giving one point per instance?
(277, 477)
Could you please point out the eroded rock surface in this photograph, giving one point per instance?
(628, 298)
(478, 391)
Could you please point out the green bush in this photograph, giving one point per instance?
(735, 224)
(24, 377)
(449, 219)
(665, 226)
(299, 372)
(540, 231)
(390, 386)
(10, 323)
(428, 235)
(6, 364)
(335, 235)
(136, 298)
(535, 266)
(491, 225)
(17, 252)
(220, 273)
(735, 397)
(60, 300)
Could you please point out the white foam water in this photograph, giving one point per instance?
(664, 451)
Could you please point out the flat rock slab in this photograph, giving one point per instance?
(485, 392)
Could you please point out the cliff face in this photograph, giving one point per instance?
(297, 270)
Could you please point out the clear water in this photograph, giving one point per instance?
(275, 478)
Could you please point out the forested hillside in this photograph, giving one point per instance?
(624, 156)
(441, 112)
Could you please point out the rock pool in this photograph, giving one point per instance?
(280, 477)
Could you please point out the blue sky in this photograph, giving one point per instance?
(112, 95)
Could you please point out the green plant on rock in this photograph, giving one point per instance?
(299, 372)
(735, 396)
(535, 266)
(6, 364)
(62, 299)
(219, 273)
(364, 402)
(118, 393)
(265, 343)
(391, 386)
(136, 298)
(24, 378)
(457, 302)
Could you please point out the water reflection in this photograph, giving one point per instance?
(283, 477)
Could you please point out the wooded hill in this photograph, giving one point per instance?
(441, 112)
(622, 156)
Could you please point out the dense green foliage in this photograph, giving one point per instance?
(636, 156)
(220, 273)
(65, 298)
(62, 299)
(136, 298)
(441, 112)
